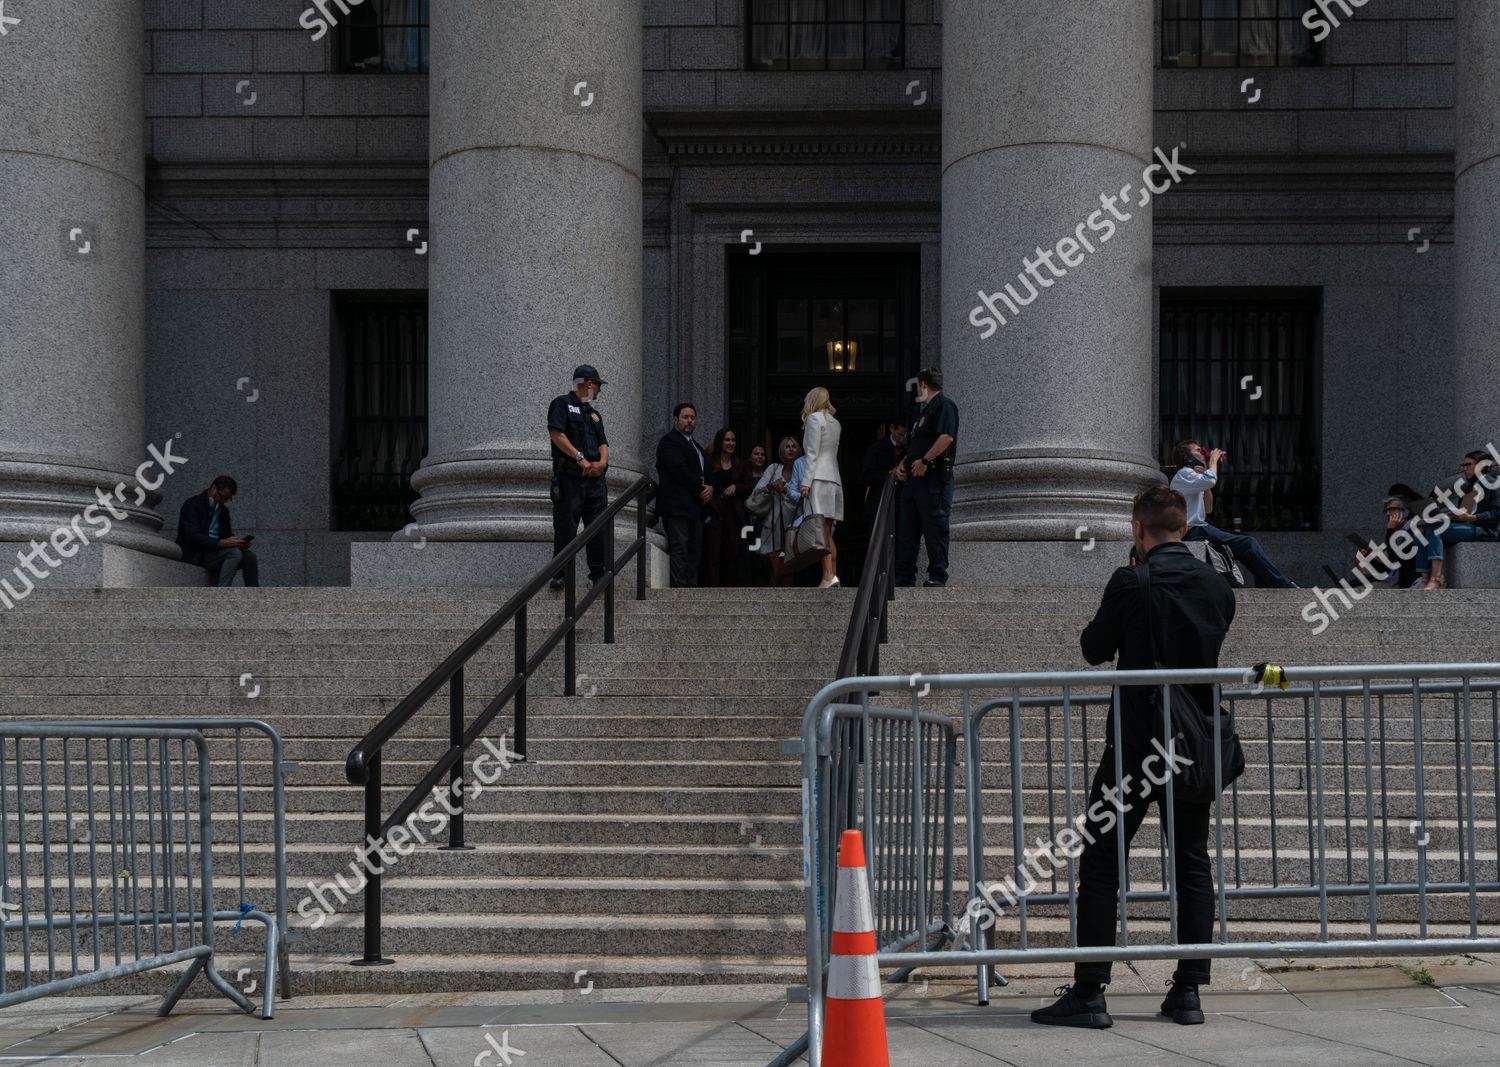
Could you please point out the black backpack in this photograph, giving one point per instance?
(1192, 728)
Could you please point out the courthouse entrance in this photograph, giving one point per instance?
(846, 319)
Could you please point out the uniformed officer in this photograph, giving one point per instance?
(926, 474)
(580, 456)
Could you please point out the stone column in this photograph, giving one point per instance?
(1476, 225)
(72, 274)
(536, 251)
(1047, 107)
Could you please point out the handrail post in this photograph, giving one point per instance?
(640, 556)
(570, 642)
(456, 772)
(609, 590)
(372, 956)
(521, 658)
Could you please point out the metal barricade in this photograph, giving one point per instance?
(126, 812)
(1369, 795)
(891, 772)
(227, 740)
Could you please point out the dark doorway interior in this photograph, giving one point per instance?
(786, 307)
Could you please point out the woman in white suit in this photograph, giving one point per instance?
(824, 492)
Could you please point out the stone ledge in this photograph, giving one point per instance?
(1473, 565)
(105, 566)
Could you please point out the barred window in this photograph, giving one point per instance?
(1240, 371)
(379, 400)
(827, 35)
(385, 36)
(1237, 33)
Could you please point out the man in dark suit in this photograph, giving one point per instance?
(882, 457)
(682, 493)
(207, 536)
(1192, 607)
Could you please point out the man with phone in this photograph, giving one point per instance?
(1196, 477)
(206, 535)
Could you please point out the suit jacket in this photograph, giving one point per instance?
(880, 459)
(1192, 607)
(192, 527)
(679, 475)
(820, 444)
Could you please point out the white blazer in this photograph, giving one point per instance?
(820, 446)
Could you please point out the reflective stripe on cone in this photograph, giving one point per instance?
(854, 1019)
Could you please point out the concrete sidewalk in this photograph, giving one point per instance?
(1297, 1015)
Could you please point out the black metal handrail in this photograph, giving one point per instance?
(877, 588)
(363, 765)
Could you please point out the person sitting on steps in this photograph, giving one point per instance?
(207, 536)
(1197, 474)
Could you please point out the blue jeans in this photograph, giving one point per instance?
(1457, 533)
(223, 563)
(1247, 550)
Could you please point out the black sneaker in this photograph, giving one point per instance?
(1075, 1007)
(934, 583)
(1182, 1005)
(556, 584)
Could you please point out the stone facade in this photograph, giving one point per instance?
(256, 213)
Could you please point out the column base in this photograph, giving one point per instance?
(1030, 563)
(499, 495)
(1048, 495)
(41, 498)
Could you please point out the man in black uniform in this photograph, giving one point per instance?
(926, 475)
(580, 456)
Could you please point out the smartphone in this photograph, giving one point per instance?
(248, 538)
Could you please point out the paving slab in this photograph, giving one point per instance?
(1422, 1038)
(1393, 1020)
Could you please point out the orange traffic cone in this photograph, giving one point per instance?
(854, 1021)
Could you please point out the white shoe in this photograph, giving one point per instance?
(828, 583)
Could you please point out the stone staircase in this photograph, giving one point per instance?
(654, 836)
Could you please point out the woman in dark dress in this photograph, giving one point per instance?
(723, 549)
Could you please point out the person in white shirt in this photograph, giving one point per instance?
(823, 486)
(1196, 477)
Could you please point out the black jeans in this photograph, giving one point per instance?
(685, 546)
(582, 499)
(922, 513)
(1098, 867)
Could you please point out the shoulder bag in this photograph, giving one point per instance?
(1192, 728)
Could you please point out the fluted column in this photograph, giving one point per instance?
(72, 273)
(536, 250)
(1476, 224)
(1047, 107)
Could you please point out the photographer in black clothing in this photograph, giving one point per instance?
(1191, 609)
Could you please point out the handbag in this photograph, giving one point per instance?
(759, 501)
(809, 544)
(778, 555)
(1192, 728)
(1223, 561)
